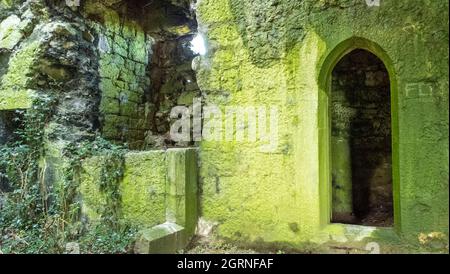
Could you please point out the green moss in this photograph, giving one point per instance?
(110, 105)
(257, 196)
(15, 83)
(21, 67)
(22, 99)
(181, 189)
(157, 187)
(143, 188)
(214, 11)
(94, 201)
(122, 68)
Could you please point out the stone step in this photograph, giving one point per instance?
(165, 238)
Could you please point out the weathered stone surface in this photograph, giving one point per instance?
(158, 187)
(143, 188)
(124, 53)
(173, 80)
(16, 82)
(119, 67)
(182, 189)
(51, 58)
(93, 200)
(10, 32)
(275, 53)
(161, 239)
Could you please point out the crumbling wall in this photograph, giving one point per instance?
(174, 81)
(145, 67)
(106, 86)
(43, 42)
(124, 53)
(92, 61)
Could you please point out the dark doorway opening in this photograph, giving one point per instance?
(361, 141)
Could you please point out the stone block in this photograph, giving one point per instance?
(161, 239)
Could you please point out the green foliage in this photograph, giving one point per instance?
(112, 170)
(41, 217)
(110, 177)
(104, 239)
(28, 221)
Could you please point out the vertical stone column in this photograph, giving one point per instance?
(342, 176)
(341, 164)
(181, 206)
(181, 189)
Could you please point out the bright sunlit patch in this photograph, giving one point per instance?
(198, 45)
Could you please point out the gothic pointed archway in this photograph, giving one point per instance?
(358, 136)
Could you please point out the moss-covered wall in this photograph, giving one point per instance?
(281, 53)
(92, 62)
(144, 67)
(124, 55)
(97, 61)
(50, 54)
(18, 55)
(157, 187)
(142, 190)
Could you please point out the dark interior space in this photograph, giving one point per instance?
(10, 122)
(361, 141)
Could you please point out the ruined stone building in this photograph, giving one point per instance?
(356, 92)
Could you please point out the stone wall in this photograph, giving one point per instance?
(89, 67)
(51, 56)
(281, 53)
(158, 187)
(107, 85)
(173, 80)
(95, 63)
(124, 55)
(142, 190)
(145, 67)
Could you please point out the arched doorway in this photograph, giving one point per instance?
(361, 141)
